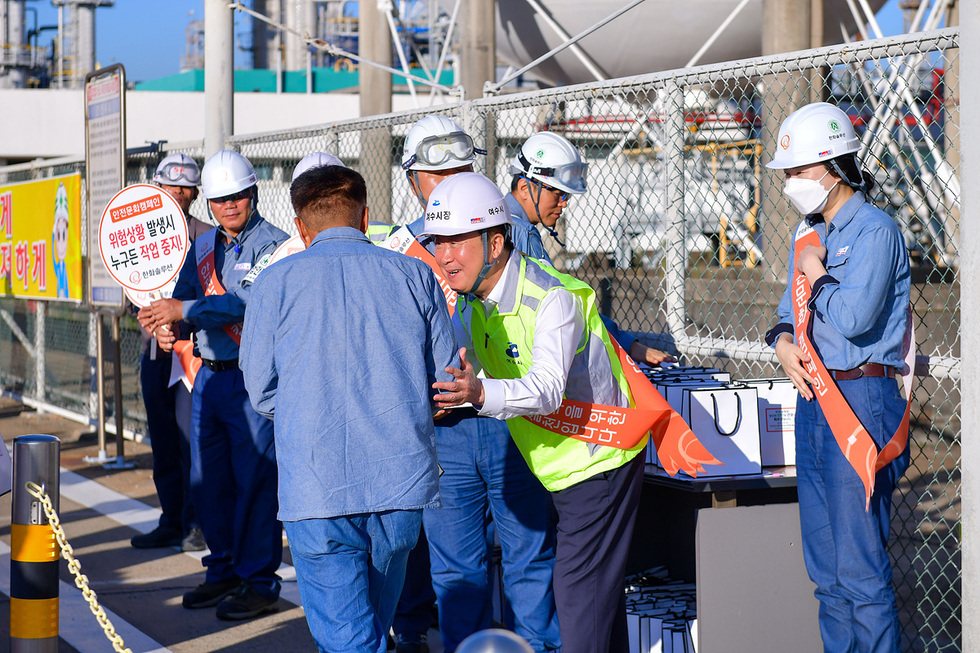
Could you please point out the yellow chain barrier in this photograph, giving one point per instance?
(75, 567)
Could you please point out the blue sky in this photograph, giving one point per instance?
(148, 36)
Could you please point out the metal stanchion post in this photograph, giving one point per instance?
(100, 392)
(120, 462)
(34, 550)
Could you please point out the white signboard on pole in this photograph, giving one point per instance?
(105, 168)
(142, 240)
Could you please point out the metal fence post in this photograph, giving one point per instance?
(969, 97)
(675, 235)
(34, 551)
(40, 359)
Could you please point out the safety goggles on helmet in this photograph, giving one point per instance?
(571, 175)
(437, 150)
(173, 173)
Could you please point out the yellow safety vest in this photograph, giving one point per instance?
(378, 232)
(503, 342)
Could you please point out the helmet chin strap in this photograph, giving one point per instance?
(252, 212)
(413, 178)
(534, 200)
(554, 234)
(487, 264)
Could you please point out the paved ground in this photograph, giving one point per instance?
(101, 509)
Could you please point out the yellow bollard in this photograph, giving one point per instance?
(34, 550)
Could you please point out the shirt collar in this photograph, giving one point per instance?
(337, 233)
(496, 295)
(844, 215)
(250, 226)
(848, 211)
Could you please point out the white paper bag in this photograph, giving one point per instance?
(777, 420)
(726, 421)
(670, 388)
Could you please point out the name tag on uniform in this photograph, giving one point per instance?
(243, 266)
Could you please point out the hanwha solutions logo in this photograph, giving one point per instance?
(784, 142)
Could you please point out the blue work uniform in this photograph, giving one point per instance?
(484, 474)
(233, 455)
(168, 423)
(526, 237)
(341, 346)
(859, 316)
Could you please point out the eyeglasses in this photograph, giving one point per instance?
(561, 195)
(437, 150)
(234, 197)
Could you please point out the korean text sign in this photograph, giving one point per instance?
(143, 238)
(41, 239)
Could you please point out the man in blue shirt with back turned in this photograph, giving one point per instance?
(342, 342)
(233, 455)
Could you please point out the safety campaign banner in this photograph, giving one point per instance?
(41, 239)
(143, 241)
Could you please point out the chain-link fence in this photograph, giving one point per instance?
(685, 236)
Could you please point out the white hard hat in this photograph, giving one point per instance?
(814, 133)
(464, 203)
(551, 159)
(226, 173)
(438, 143)
(178, 170)
(315, 160)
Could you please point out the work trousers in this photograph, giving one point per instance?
(485, 476)
(595, 528)
(414, 614)
(350, 571)
(845, 546)
(234, 482)
(168, 422)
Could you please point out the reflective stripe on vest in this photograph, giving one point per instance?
(852, 437)
(378, 232)
(208, 276)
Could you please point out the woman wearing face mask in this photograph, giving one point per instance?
(855, 260)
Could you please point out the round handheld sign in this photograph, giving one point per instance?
(143, 241)
(288, 248)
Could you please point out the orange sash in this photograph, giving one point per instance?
(208, 276)
(184, 351)
(678, 449)
(852, 437)
(624, 428)
(404, 242)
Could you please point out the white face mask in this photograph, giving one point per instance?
(807, 195)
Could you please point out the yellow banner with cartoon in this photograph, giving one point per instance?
(41, 239)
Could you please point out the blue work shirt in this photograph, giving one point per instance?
(341, 346)
(859, 306)
(232, 261)
(525, 235)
